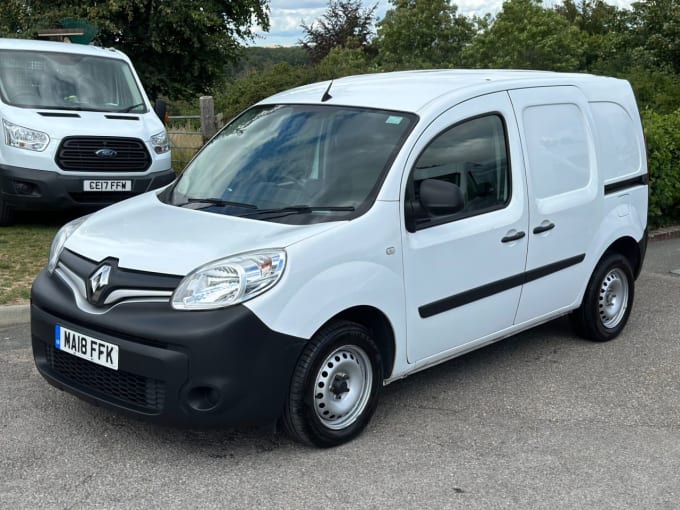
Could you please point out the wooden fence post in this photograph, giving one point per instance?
(208, 124)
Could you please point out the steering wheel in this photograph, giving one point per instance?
(290, 181)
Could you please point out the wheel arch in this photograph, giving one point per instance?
(629, 248)
(381, 330)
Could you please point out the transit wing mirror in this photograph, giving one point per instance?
(161, 109)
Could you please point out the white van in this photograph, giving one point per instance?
(77, 129)
(339, 236)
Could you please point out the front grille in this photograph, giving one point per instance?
(118, 385)
(79, 154)
(119, 278)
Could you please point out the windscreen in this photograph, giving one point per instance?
(317, 163)
(65, 81)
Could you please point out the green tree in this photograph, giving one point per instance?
(654, 34)
(345, 24)
(594, 17)
(179, 47)
(524, 35)
(423, 32)
(14, 15)
(604, 28)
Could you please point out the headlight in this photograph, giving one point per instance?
(160, 142)
(60, 240)
(24, 138)
(229, 281)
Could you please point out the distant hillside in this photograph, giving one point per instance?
(256, 58)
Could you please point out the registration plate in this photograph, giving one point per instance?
(107, 185)
(86, 347)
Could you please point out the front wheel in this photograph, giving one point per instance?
(608, 300)
(335, 386)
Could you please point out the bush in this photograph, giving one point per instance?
(240, 93)
(654, 89)
(663, 143)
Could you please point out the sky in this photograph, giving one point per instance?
(287, 15)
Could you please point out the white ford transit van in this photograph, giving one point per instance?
(339, 236)
(77, 129)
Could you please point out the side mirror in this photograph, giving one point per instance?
(161, 109)
(441, 197)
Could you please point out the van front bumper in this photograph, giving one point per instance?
(207, 368)
(26, 189)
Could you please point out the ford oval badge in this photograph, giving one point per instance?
(106, 153)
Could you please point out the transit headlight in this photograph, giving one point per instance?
(229, 281)
(60, 240)
(25, 138)
(160, 142)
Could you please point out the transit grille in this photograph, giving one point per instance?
(79, 154)
(115, 385)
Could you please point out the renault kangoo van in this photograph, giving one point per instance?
(340, 236)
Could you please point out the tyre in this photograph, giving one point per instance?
(608, 300)
(6, 214)
(335, 386)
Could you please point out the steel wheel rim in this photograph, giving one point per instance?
(342, 387)
(613, 299)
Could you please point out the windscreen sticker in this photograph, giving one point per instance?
(393, 119)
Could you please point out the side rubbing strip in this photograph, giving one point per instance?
(542, 271)
(640, 180)
(464, 298)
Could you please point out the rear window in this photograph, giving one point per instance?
(618, 146)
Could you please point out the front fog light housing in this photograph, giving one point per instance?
(229, 281)
(24, 138)
(160, 142)
(60, 240)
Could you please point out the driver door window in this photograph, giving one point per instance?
(471, 155)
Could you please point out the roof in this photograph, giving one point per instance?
(59, 47)
(415, 91)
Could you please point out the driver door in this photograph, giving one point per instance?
(463, 271)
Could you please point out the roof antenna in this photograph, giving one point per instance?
(326, 95)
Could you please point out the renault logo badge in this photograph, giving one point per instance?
(100, 278)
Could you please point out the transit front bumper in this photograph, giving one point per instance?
(205, 368)
(27, 189)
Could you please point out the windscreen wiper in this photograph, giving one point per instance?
(299, 209)
(129, 108)
(218, 202)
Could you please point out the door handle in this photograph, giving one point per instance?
(544, 228)
(514, 237)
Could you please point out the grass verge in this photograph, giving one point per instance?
(23, 253)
